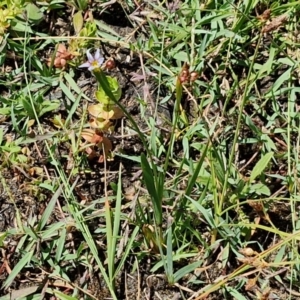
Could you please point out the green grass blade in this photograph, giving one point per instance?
(261, 165)
(109, 239)
(186, 270)
(194, 177)
(127, 249)
(60, 245)
(46, 215)
(67, 91)
(17, 269)
(170, 269)
(151, 187)
(63, 296)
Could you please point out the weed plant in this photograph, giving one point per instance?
(214, 205)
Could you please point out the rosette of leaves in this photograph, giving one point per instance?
(88, 29)
(114, 88)
(106, 110)
(6, 17)
(101, 116)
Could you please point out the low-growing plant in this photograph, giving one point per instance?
(101, 114)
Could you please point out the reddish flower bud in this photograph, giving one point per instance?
(110, 64)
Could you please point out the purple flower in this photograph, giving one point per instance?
(94, 62)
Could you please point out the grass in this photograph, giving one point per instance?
(202, 192)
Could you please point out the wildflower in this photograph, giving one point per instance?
(94, 62)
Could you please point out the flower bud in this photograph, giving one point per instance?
(110, 64)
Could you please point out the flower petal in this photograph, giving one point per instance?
(97, 54)
(85, 65)
(89, 56)
(100, 60)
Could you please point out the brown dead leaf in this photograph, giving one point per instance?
(118, 113)
(101, 142)
(257, 206)
(265, 15)
(248, 251)
(130, 193)
(35, 171)
(265, 295)
(259, 263)
(251, 284)
(91, 153)
(23, 292)
(244, 260)
(275, 24)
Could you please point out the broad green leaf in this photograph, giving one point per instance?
(5, 111)
(181, 56)
(170, 269)
(67, 91)
(279, 82)
(194, 177)
(82, 4)
(1, 135)
(28, 108)
(102, 26)
(33, 13)
(22, 27)
(267, 66)
(72, 83)
(52, 230)
(261, 165)
(176, 257)
(128, 249)
(78, 21)
(48, 106)
(225, 255)
(260, 189)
